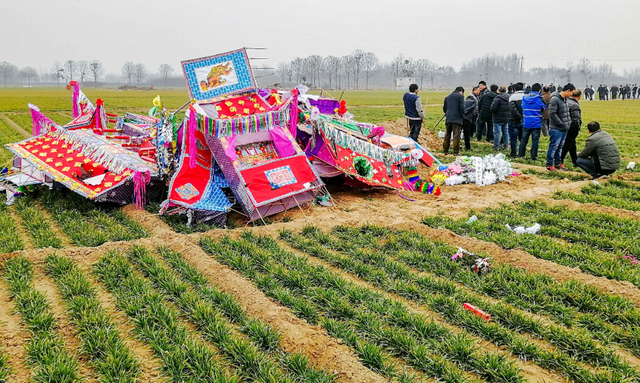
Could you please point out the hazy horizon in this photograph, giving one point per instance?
(38, 32)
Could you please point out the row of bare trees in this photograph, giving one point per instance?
(80, 71)
(356, 70)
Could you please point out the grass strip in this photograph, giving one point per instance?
(46, 352)
(386, 322)
(556, 175)
(87, 223)
(394, 276)
(9, 238)
(261, 333)
(184, 358)
(246, 356)
(614, 193)
(608, 318)
(101, 340)
(36, 224)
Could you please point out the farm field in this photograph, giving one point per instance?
(363, 291)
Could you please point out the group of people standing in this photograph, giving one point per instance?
(510, 119)
(624, 92)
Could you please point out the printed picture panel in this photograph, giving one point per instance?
(219, 75)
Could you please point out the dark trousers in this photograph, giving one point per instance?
(414, 128)
(535, 140)
(589, 167)
(515, 135)
(570, 145)
(455, 130)
(467, 128)
(484, 126)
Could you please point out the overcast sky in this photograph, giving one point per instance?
(448, 32)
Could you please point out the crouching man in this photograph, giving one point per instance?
(600, 156)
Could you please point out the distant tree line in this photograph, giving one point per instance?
(81, 71)
(358, 70)
(362, 70)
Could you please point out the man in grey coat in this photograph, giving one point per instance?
(600, 156)
(559, 123)
(453, 109)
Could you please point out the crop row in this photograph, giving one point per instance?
(178, 222)
(570, 303)
(619, 236)
(256, 354)
(86, 223)
(443, 296)
(614, 193)
(5, 370)
(101, 340)
(9, 239)
(184, 357)
(7, 135)
(368, 321)
(46, 351)
(37, 225)
(555, 175)
(610, 264)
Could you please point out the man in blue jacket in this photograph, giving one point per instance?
(413, 111)
(532, 107)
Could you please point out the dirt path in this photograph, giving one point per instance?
(150, 222)
(298, 336)
(15, 126)
(65, 329)
(13, 337)
(532, 372)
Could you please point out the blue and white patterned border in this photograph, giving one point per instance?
(246, 81)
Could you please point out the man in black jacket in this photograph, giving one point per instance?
(453, 109)
(515, 118)
(500, 116)
(575, 113)
(485, 124)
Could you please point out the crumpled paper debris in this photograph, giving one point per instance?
(522, 230)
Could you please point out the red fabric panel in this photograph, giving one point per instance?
(190, 184)
(258, 184)
(53, 154)
(344, 161)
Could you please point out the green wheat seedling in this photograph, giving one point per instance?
(5, 370)
(9, 238)
(436, 257)
(46, 352)
(184, 358)
(596, 262)
(329, 291)
(87, 224)
(36, 224)
(450, 306)
(614, 193)
(101, 340)
(262, 334)
(371, 355)
(245, 356)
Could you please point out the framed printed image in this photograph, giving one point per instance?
(219, 75)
